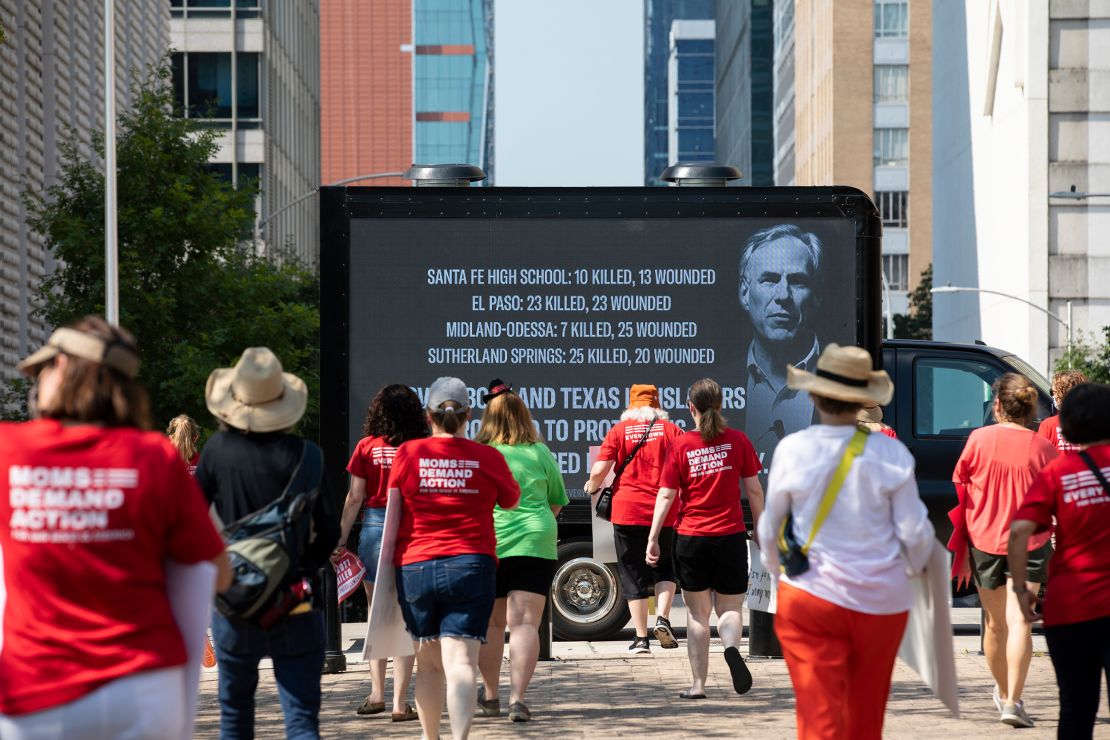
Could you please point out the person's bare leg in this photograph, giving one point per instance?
(730, 618)
(698, 606)
(524, 614)
(460, 661)
(996, 637)
(429, 687)
(402, 676)
(492, 653)
(664, 597)
(639, 610)
(1019, 643)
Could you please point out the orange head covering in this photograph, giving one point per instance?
(643, 395)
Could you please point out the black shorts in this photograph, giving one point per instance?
(523, 573)
(990, 571)
(637, 578)
(719, 563)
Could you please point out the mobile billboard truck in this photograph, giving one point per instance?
(574, 294)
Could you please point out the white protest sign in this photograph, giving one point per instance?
(762, 589)
(605, 547)
(349, 572)
(190, 589)
(386, 636)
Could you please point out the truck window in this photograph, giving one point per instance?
(951, 396)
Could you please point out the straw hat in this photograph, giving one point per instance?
(256, 395)
(870, 414)
(844, 374)
(643, 395)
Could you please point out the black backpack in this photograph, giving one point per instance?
(266, 546)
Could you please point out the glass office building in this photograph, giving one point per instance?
(659, 16)
(690, 85)
(452, 80)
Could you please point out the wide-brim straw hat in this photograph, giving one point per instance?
(256, 395)
(870, 414)
(844, 374)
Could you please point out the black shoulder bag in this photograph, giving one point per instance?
(604, 507)
(265, 547)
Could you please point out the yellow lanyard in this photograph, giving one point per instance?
(855, 447)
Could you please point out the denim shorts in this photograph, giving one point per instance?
(447, 597)
(370, 541)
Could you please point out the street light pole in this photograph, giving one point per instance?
(314, 191)
(1067, 323)
(111, 248)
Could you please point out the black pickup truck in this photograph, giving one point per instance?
(942, 392)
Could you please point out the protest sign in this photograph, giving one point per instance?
(605, 547)
(927, 642)
(349, 572)
(189, 588)
(386, 635)
(762, 589)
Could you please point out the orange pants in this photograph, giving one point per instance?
(840, 663)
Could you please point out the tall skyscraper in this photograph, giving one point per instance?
(404, 81)
(1020, 118)
(52, 90)
(659, 18)
(690, 92)
(744, 81)
(251, 68)
(862, 117)
(783, 96)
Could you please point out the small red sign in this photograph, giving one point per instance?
(349, 572)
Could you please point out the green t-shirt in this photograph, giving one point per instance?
(530, 529)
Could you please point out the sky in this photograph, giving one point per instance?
(569, 85)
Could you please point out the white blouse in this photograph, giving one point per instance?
(877, 533)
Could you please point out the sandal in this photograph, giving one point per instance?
(688, 695)
(406, 716)
(371, 707)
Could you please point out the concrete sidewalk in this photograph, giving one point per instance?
(594, 689)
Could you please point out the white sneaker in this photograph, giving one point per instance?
(1014, 715)
(997, 699)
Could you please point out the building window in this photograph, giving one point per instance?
(214, 8)
(891, 147)
(894, 208)
(693, 89)
(247, 171)
(202, 86)
(891, 19)
(892, 83)
(896, 270)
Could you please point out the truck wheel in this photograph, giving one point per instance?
(585, 596)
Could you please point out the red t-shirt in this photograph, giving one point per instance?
(1079, 571)
(449, 486)
(192, 464)
(88, 517)
(709, 477)
(371, 461)
(635, 492)
(997, 466)
(1050, 430)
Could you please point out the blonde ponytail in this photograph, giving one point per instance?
(184, 433)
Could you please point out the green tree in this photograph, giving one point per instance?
(918, 323)
(1089, 356)
(192, 288)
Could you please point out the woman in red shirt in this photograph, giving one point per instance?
(184, 435)
(393, 417)
(446, 552)
(708, 469)
(997, 466)
(1062, 383)
(633, 506)
(91, 509)
(1074, 491)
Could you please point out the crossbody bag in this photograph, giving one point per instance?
(794, 555)
(604, 507)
